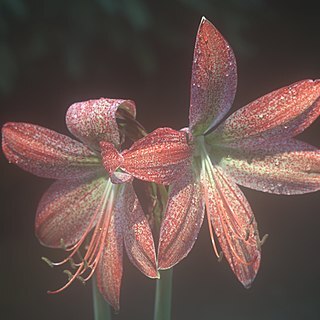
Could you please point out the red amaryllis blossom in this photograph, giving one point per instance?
(83, 208)
(254, 147)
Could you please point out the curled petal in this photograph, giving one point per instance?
(233, 223)
(111, 158)
(159, 157)
(214, 79)
(119, 177)
(109, 270)
(279, 115)
(95, 120)
(137, 236)
(66, 210)
(47, 153)
(182, 221)
(288, 167)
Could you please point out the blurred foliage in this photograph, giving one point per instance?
(72, 32)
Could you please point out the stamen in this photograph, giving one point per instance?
(63, 245)
(48, 262)
(212, 237)
(82, 280)
(247, 263)
(251, 220)
(73, 265)
(247, 235)
(210, 224)
(263, 240)
(96, 245)
(222, 222)
(69, 274)
(236, 226)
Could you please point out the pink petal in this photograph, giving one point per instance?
(279, 115)
(109, 270)
(234, 225)
(47, 153)
(111, 158)
(95, 120)
(214, 79)
(66, 209)
(159, 157)
(182, 221)
(288, 167)
(137, 235)
(119, 177)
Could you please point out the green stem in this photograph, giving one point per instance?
(101, 308)
(162, 308)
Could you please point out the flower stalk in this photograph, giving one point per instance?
(162, 307)
(101, 307)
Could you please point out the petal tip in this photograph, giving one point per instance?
(203, 19)
(247, 285)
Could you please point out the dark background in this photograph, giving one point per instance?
(53, 53)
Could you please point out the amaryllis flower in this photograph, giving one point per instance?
(83, 209)
(254, 147)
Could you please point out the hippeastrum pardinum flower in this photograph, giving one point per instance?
(254, 147)
(83, 209)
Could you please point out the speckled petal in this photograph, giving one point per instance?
(276, 116)
(111, 158)
(159, 157)
(66, 209)
(47, 153)
(214, 79)
(234, 225)
(95, 120)
(288, 167)
(137, 235)
(109, 270)
(182, 221)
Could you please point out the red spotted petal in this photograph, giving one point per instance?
(47, 153)
(137, 236)
(111, 158)
(182, 221)
(288, 167)
(234, 225)
(159, 157)
(66, 210)
(109, 270)
(119, 177)
(214, 79)
(95, 120)
(279, 115)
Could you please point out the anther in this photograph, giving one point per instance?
(81, 279)
(48, 262)
(69, 274)
(264, 239)
(247, 235)
(63, 245)
(72, 263)
(220, 257)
